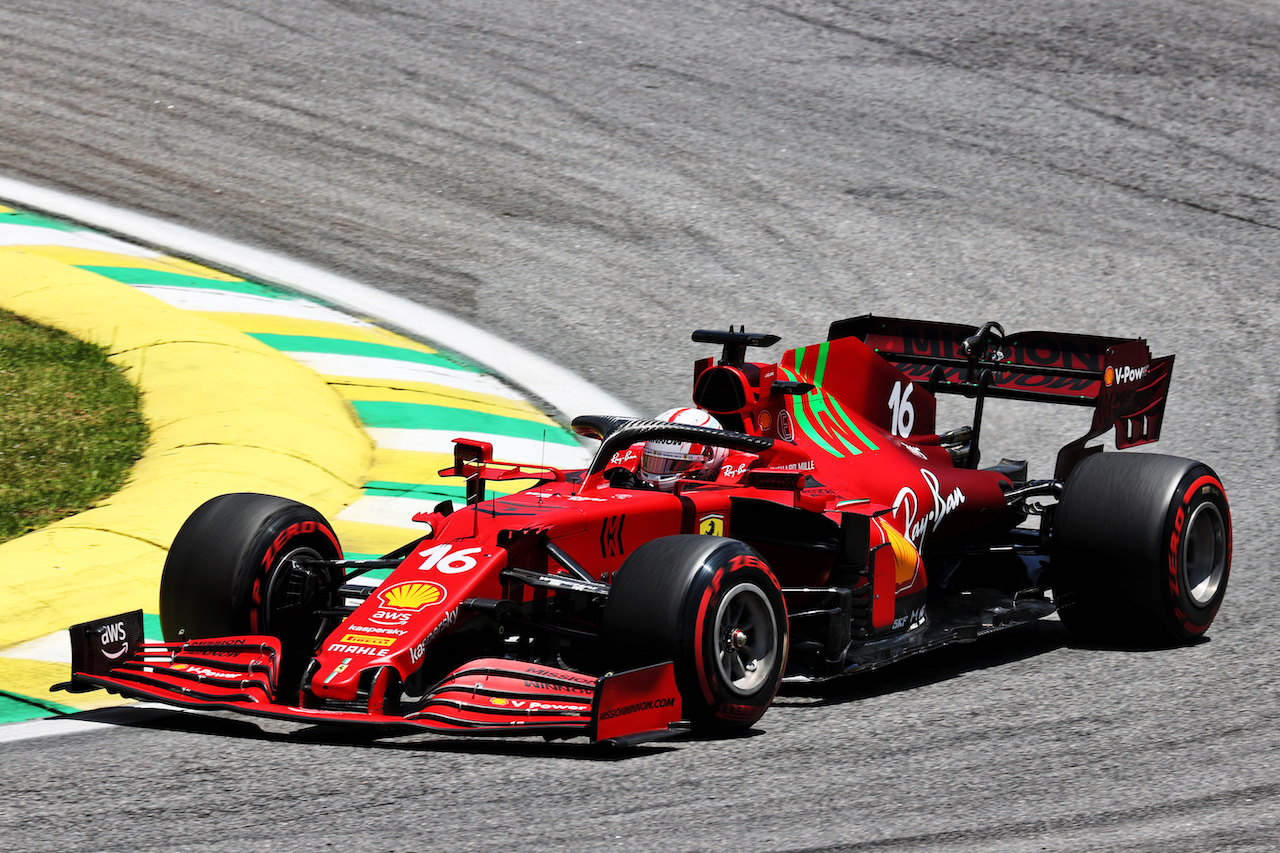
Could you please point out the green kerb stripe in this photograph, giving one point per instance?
(16, 708)
(19, 217)
(338, 346)
(378, 414)
(134, 275)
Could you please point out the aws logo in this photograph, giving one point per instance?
(412, 595)
(110, 634)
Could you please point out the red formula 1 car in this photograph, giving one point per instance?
(827, 527)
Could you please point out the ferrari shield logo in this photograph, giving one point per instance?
(711, 525)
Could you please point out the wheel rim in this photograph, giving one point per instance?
(747, 639)
(1204, 554)
(291, 596)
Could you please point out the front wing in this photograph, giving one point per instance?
(489, 696)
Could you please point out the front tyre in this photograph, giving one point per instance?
(234, 568)
(1142, 548)
(712, 606)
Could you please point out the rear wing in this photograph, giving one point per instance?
(1116, 377)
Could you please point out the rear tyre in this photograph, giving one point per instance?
(233, 570)
(1141, 548)
(712, 606)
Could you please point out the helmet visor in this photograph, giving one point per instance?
(664, 461)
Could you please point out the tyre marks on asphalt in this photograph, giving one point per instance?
(409, 398)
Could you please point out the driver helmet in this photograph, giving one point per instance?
(663, 463)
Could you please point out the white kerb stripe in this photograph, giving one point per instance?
(34, 235)
(367, 367)
(51, 648)
(226, 302)
(389, 512)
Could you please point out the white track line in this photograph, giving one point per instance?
(49, 727)
(73, 725)
(563, 390)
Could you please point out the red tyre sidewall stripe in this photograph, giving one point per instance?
(706, 676)
(293, 531)
(731, 711)
(1172, 574)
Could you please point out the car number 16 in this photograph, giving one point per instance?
(452, 564)
(902, 414)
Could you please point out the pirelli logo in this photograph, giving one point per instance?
(365, 640)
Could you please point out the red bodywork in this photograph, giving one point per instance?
(853, 440)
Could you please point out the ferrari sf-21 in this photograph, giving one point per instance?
(801, 521)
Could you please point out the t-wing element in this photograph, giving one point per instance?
(474, 460)
(735, 343)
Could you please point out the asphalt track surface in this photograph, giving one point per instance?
(595, 180)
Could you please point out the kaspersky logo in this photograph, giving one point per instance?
(1121, 375)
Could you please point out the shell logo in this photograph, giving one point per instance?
(1110, 376)
(413, 595)
(497, 700)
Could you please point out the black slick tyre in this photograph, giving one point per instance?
(232, 570)
(712, 606)
(1141, 548)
